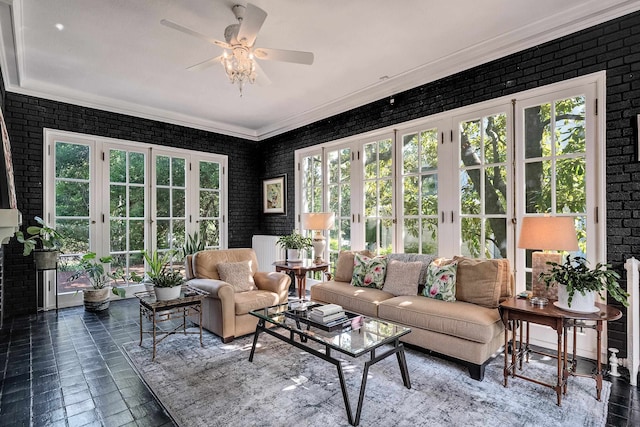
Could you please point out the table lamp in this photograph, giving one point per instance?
(318, 221)
(546, 233)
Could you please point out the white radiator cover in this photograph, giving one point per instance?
(633, 318)
(267, 251)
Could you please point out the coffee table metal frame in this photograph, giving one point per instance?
(189, 303)
(561, 321)
(306, 332)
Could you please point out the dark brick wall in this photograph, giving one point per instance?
(613, 46)
(26, 118)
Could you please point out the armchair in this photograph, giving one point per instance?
(226, 309)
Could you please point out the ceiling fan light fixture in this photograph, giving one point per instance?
(239, 66)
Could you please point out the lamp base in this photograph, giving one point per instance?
(318, 249)
(538, 265)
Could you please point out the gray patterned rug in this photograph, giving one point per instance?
(284, 386)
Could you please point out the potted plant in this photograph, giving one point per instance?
(96, 298)
(294, 243)
(168, 284)
(192, 245)
(49, 240)
(578, 285)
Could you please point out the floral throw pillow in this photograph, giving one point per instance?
(369, 272)
(440, 281)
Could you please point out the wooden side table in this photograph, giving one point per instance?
(300, 270)
(522, 310)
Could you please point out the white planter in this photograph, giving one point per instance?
(579, 304)
(293, 255)
(166, 294)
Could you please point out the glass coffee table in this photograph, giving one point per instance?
(357, 336)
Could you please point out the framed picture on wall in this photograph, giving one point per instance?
(274, 195)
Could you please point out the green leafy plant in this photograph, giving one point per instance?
(156, 262)
(48, 237)
(577, 277)
(192, 245)
(99, 276)
(295, 241)
(168, 278)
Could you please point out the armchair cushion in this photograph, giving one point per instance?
(238, 275)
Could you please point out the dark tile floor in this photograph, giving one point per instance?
(68, 370)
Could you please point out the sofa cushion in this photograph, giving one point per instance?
(459, 319)
(369, 272)
(481, 281)
(344, 266)
(402, 277)
(238, 275)
(359, 300)
(253, 300)
(425, 259)
(440, 282)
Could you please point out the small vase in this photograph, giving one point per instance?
(580, 303)
(166, 294)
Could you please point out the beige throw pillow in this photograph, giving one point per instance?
(238, 275)
(480, 281)
(402, 278)
(344, 266)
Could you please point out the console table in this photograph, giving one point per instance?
(514, 310)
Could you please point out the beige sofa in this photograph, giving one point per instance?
(463, 330)
(226, 308)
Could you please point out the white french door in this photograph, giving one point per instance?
(119, 198)
(459, 183)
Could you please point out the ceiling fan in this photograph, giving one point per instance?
(240, 53)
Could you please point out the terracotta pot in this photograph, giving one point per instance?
(166, 294)
(96, 299)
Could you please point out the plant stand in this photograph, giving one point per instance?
(55, 284)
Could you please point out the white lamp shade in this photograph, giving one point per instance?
(555, 233)
(318, 220)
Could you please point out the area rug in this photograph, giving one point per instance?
(284, 386)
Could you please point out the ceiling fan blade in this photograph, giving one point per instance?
(295, 56)
(205, 64)
(261, 77)
(251, 23)
(186, 30)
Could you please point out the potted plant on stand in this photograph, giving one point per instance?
(295, 243)
(49, 240)
(96, 297)
(578, 285)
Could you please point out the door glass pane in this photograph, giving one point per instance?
(483, 185)
(378, 196)
(127, 192)
(171, 202)
(339, 187)
(72, 200)
(209, 203)
(555, 163)
(420, 191)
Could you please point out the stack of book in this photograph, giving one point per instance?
(328, 314)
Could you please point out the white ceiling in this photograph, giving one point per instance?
(115, 55)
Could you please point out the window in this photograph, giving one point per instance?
(120, 198)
